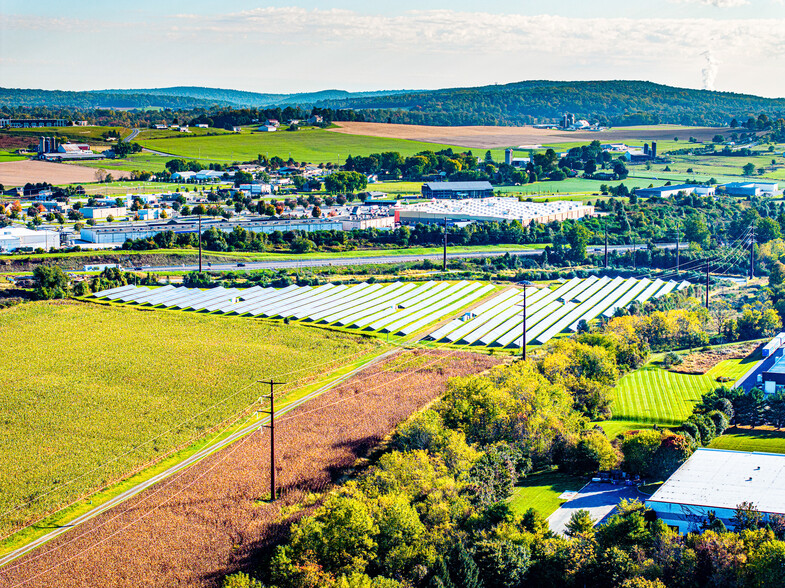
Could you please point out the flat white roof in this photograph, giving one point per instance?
(718, 478)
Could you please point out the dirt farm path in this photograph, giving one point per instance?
(209, 520)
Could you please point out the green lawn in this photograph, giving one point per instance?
(8, 156)
(310, 144)
(541, 492)
(751, 440)
(653, 395)
(92, 384)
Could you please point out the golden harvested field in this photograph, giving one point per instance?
(495, 137)
(18, 173)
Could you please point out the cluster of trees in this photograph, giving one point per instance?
(753, 409)
(393, 164)
(432, 511)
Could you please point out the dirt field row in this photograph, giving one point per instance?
(19, 173)
(496, 137)
(209, 520)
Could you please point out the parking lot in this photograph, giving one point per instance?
(599, 498)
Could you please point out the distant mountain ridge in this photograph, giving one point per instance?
(242, 98)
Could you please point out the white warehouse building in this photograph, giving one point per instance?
(492, 209)
(15, 238)
(717, 480)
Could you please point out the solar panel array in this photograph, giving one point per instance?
(398, 308)
(499, 321)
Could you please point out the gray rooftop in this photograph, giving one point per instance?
(459, 185)
(718, 478)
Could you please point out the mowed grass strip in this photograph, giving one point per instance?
(739, 439)
(84, 384)
(655, 395)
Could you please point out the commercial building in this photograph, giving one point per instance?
(118, 233)
(492, 209)
(20, 238)
(714, 480)
(29, 123)
(674, 190)
(457, 190)
(770, 189)
(368, 221)
(97, 212)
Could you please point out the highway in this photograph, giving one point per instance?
(198, 456)
(373, 260)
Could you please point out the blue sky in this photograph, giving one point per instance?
(286, 46)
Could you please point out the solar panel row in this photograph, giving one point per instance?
(398, 307)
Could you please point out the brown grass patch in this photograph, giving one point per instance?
(495, 137)
(209, 520)
(18, 173)
(702, 361)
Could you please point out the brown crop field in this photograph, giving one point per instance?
(495, 137)
(212, 519)
(18, 173)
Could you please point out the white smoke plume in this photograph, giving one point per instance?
(709, 71)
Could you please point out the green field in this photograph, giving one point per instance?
(310, 144)
(8, 156)
(95, 391)
(541, 492)
(653, 395)
(751, 440)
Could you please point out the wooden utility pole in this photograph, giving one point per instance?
(605, 224)
(678, 248)
(272, 438)
(752, 254)
(707, 283)
(523, 337)
(444, 258)
(200, 243)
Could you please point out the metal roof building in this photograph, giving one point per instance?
(492, 209)
(457, 189)
(14, 238)
(719, 480)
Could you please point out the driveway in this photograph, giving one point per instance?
(600, 499)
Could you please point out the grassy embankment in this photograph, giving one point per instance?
(105, 390)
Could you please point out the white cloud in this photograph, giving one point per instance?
(716, 3)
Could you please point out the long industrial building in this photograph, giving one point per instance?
(715, 480)
(21, 238)
(492, 209)
(457, 190)
(121, 232)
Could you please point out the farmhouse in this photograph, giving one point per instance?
(15, 238)
(719, 480)
(492, 209)
(268, 129)
(457, 190)
(674, 190)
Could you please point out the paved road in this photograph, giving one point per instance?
(198, 456)
(132, 136)
(600, 499)
(380, 259)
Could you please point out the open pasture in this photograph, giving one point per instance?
(94, 392)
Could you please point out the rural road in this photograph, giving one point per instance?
(381, 259)
(132, 136)
(199, 455)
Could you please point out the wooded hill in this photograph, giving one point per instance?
(608, 102)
